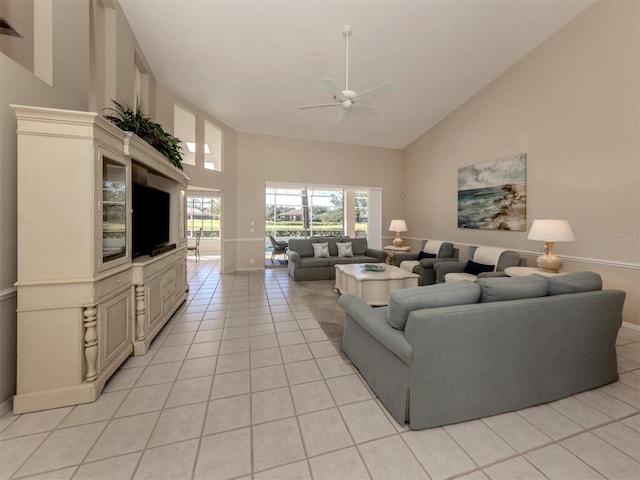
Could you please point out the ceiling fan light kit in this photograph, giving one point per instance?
(347, 98)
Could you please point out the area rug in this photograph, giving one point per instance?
(321, 298)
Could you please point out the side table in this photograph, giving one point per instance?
(392, 250)
(522, 271)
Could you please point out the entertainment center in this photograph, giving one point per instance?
(101, 253)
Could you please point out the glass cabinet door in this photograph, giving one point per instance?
(114, 210)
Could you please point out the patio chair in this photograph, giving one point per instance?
(196, 248)
(278, 247)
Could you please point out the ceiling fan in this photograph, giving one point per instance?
(346, 99)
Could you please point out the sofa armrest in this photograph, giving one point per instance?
(294, 262)
(442, 268)
(379, 254)
(398, 258)
(294, 258)
(374, 321)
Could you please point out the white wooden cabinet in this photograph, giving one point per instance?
(84, 303)
(159, 290)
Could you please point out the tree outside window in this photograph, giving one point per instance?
(203, 212)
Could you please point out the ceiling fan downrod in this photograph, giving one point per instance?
(346, 31)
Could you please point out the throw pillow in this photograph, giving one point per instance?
(422, 255)
(477, 268)
(321, 250)
(511, 288)
(575, 282)
(403, 301)
(344, 249)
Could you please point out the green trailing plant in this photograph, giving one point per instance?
(136, 121)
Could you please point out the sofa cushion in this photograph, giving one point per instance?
(409, 265)
(575, 282)
(302, 246)
(342, 260)
(422, 254)
(405, 300)
(359, 246)
(475, 268)
(364, 259)
(512, 288)
(458, 276)
(345, 249)
(320, 250)
(311, 262)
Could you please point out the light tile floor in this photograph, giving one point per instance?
(242, 383)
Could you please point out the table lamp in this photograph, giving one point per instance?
(398, 226)
(550, 231)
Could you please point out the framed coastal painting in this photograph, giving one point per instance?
(493, 195)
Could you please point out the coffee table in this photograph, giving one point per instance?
(373, 287)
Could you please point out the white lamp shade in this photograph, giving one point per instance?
(398, 226)
(551, 231)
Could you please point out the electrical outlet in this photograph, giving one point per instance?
(252, 261)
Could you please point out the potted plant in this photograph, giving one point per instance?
(136, 121)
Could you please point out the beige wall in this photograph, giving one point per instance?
(572, 105)
(19, 14)
(264, 159)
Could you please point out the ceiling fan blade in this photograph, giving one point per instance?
(301, 107)
(340, 116)
(384, 85)
(333, 88)
(368, 106)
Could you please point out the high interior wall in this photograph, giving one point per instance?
(202, 179)
(264, 158)
(572, 105)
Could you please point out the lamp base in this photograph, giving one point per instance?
(549, 263)
(397, 242)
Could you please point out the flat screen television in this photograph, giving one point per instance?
(150, 219)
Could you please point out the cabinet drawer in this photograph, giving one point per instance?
(113, 283)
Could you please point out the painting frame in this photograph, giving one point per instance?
(493, 195)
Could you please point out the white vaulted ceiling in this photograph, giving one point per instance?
(251, 63)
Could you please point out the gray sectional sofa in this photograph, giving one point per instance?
(303, 265)
(452, 352)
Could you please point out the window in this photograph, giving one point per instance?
(184, 126)
(308, 211)
(212, 147)
(203, 211)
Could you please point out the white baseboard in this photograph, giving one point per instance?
(631, 326)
